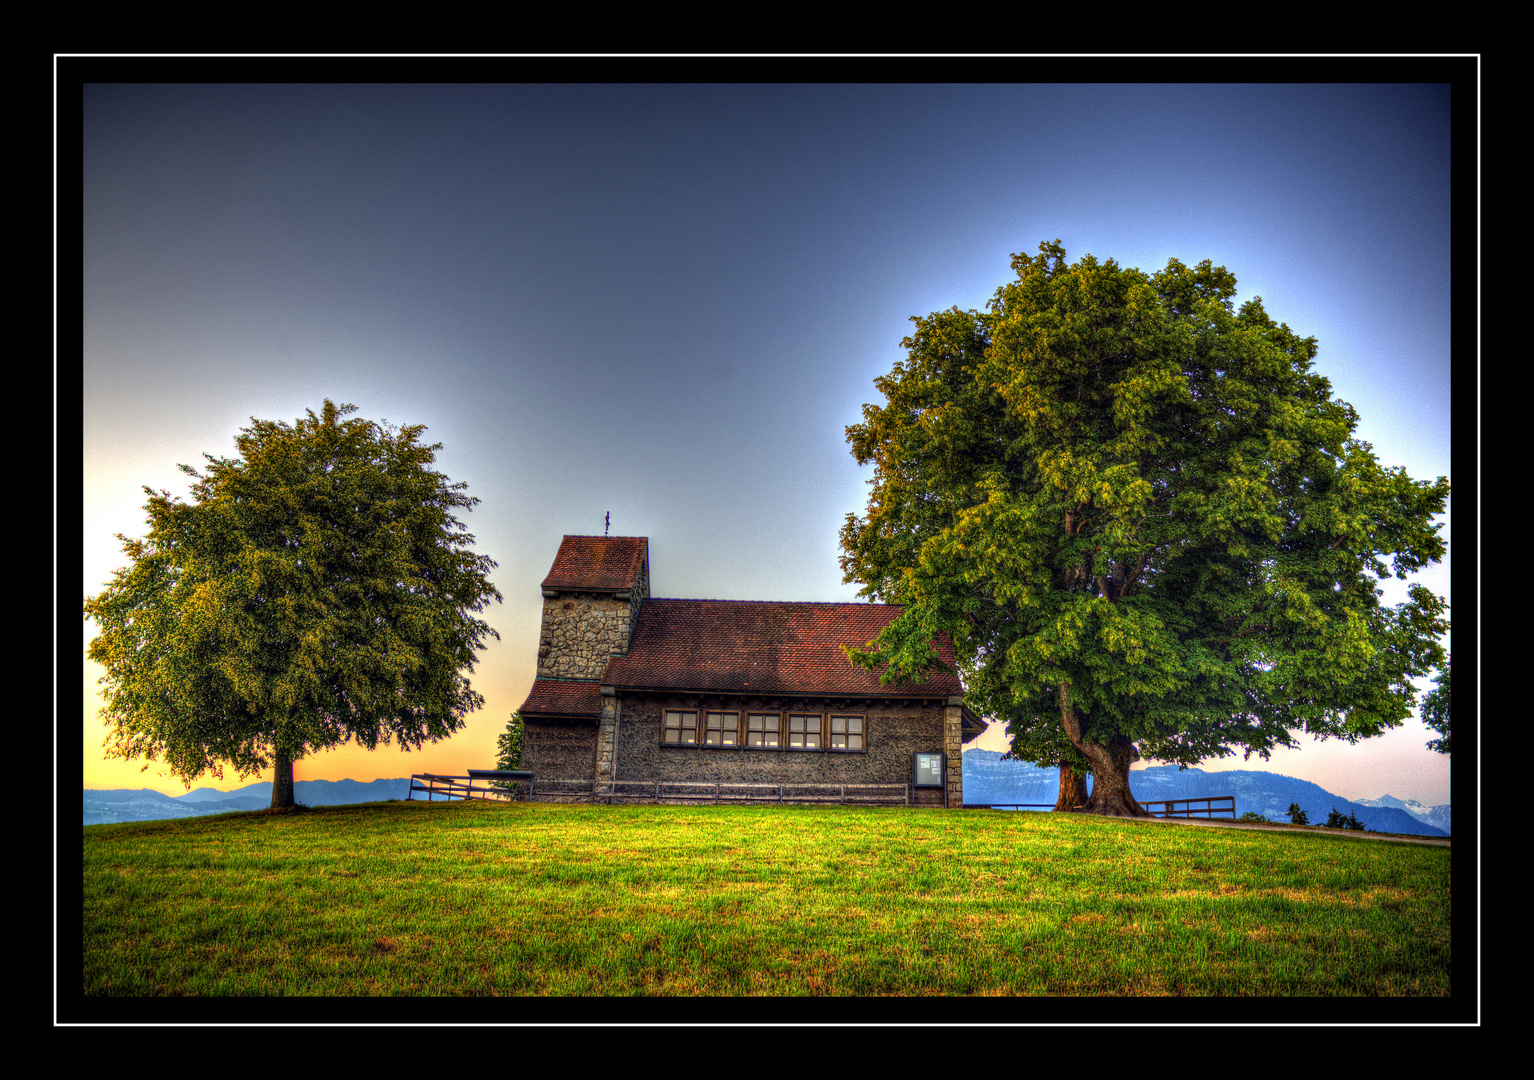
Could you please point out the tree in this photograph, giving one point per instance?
(1058, 753)
(1143, 521)
(1298, 816)
(315, 589)
(508, 744)
(508, 751)
(1435, 708)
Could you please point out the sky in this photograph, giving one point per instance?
(667, 302)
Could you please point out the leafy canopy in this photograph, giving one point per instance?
(315, 589)
(1435, 709)
(1141, 516)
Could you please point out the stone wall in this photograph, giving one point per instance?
(582, 630)
(637, 595)
(559, 749)
(893, 733)
(580, 633)
(953, 753)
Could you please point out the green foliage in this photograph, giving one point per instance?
(1144, 521)
(1335, 820)
(1298, 816)
(508, 744)
(1252, 815)
(315, 589)
(1352, 822)
(1435, 709)
(508, 751)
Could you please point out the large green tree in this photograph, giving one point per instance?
(1144, 521)
(315, 589)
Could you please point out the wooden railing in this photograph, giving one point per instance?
(1208, 810)
(462, 787)
(680, 791)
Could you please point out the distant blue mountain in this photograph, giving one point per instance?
(103, 807)
(988, 779)
(1436, 816)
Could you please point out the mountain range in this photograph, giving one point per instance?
(987, 780)
(103, 807)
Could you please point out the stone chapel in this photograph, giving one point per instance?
(638, 697)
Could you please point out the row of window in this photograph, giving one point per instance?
(763, 731)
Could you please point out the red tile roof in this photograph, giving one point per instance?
(559, 697)
(598, 563)
(761, 647)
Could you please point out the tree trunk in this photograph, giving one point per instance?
(1110, 781)
(282, 781)
(1110, 765)
(1073, 789)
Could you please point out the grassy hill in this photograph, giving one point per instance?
(476, 899)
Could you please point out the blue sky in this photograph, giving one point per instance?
(669, 301)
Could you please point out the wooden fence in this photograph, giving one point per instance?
(462, 787)
(709, 792)
(1207, 810)
(676, 791)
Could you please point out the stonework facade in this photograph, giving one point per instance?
(559, 749)
(633, 692)
(581, 632)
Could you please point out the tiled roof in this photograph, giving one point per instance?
(560, 697)
(598, 563)
(761, 647)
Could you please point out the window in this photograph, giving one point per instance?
(804, 731)
(680, 728)
(765, 730)
(846, 733)
(762, 729)
(721, 729)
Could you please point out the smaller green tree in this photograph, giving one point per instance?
(1352, 822)
(314, 590)
(1435, 708)
(1335, 820)
(508, 750)
(1297, 816)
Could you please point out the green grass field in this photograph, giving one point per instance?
(411, 898)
